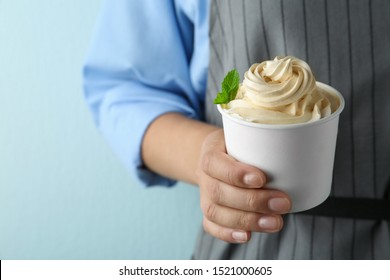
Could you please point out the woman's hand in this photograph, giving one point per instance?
(233, 198)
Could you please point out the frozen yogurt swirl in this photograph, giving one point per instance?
(281, 91)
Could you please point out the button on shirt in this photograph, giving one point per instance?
(146, 58)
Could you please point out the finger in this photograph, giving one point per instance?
(226, 234)
(247, 199)
(242, 220)
(221, 166)
(251, 200)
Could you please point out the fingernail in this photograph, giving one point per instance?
(269, 223)
(239, 236)
(252, 179)
(279, 204)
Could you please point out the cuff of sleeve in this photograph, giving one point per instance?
(124, 119)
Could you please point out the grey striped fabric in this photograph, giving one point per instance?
(347, 45)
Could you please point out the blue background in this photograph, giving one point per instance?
(63, 194)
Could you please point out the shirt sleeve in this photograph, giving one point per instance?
(146, 58)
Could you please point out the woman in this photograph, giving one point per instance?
(145, 81)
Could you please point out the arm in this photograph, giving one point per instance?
(172, 144)
(137, 69)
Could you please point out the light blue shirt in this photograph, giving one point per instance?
(147, 58)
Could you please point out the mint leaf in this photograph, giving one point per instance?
(230, 86)
(222, 98)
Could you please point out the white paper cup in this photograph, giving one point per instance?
(297, 158)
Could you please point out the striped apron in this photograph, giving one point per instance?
(347, 45)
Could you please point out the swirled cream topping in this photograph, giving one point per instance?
(281, 91)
